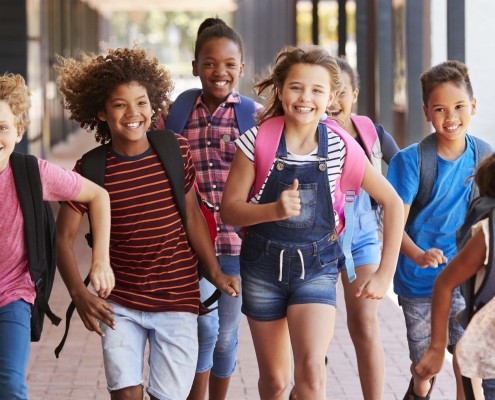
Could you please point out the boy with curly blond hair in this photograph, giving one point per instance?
(17, 290)
(156, 296)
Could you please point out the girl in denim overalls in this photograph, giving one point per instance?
(290, 252)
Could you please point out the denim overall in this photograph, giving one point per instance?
(292, 261)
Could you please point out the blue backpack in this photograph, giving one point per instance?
(428, 166)
(477, 297)
(182, 106)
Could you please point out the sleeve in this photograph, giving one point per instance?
(343, 153)
(387, 143)
(403, 173)
(245, 143)
(189, 170)
(81, 208)
(57, 183)
(483, 226)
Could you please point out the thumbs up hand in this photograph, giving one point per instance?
(289, 204)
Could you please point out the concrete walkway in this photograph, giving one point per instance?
(79, 374)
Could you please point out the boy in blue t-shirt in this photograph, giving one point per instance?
(429, 241)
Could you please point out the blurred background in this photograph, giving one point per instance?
(390, 42)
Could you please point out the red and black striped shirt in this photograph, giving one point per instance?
(155, 268)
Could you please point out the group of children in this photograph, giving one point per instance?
(294, 244)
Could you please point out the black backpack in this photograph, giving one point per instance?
(476, 298)
(167, 147)
(428, 166)
(40, 236)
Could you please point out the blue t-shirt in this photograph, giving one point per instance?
(436, 224)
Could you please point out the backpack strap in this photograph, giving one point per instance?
(30, 193)
(370, 139)
(349, 185)
(181, 109)
(428, 166)
(481, 151)
(244, 114)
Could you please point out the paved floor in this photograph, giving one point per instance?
(79, 374)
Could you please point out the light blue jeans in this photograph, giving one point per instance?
(218, 331)
(15, 342)
(173, 351)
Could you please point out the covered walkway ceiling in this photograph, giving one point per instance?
(109, 6)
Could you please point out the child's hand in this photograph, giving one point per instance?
(430, 364)
(102, 278)
(91, 309)
(289, 204)
(431, 258)
(375, 286)
(227, 284)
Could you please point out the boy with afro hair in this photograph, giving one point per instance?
(156, 296)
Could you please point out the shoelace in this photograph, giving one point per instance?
(303, 272)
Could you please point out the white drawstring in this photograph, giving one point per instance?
(281, 264)
(302, 263)
(303, 272)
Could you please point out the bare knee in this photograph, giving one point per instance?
(273, 386)
(363, 325)
(311, 374)
(128, 393)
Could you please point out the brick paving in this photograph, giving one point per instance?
(79, 374)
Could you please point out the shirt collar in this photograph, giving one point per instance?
(233, 98)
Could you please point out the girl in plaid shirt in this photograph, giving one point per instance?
(211, 129)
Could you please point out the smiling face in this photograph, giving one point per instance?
(219, 66)
(342, 105)
(305, 94)
(9, 134)
(450, 110)
(128, 115)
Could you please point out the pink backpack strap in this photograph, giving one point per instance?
(265, 148)
(367, 132)
(348, 187)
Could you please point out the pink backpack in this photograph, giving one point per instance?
(371, 142)
(348, 184)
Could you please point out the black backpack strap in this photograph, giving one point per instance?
(167, 148)
(481, 151)
(25, 170)
(428, 165)
(93, 164)
(68, 316)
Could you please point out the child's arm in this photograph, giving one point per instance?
(235, 211)
(199, 238)
(430, 258)
(378, 283)
(462, 267)
(90, 307)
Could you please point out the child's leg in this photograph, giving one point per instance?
(15, 341)
(272, 345)
(362, 321)
(311, 329)
(229, 314)
(173, 353)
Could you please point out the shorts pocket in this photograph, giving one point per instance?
(329, 256)
(307, 194)
(250, 254)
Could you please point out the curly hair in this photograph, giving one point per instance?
(16, 94)
(86, 85)
(288, 57)
(452, 71)
(485, 177)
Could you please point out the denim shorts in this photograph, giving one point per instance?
(417, 313)
(273, 281)
(218, 330)
(173, 351)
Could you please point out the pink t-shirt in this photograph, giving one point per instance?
(58, 184)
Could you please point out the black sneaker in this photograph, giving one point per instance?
(410, 395)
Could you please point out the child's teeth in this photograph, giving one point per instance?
(220, 83)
